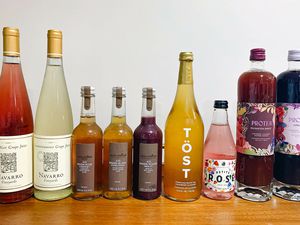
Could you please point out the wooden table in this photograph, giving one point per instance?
(159, 211)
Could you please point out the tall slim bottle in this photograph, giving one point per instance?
(16, 125)
(53, 129)
(287, 151)
(87, 150)
(117, 155)
(184, 139)
(147, 160)
(255, 140)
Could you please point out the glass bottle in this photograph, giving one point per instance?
(184, 139)
(87, 151)
(219, 156)
(16, 125)
(117, 155)
(147, 159)
(255, 140)
(53, 129)
(287, 151)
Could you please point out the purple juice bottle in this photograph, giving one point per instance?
(147, 160)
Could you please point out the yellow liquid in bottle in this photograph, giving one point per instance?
(183, 142)
(117, 132)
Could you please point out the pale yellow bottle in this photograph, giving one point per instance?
(184, 139)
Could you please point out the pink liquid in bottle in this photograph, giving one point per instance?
(219, 156)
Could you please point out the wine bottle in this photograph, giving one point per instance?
(219, 156)
(16, 125)
(287, 151)
(117, 156)
(255, 132)
(147, 160)
(87, 150)
(53, 129)
(184, 139)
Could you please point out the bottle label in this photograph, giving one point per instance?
(85, 167)
(148, 162)
(15, 163)
(52, 162)
(256, 128)
(186, 185)
(288, 128)
(219, 175)
(118, 164)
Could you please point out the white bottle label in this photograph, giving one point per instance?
(219, 175)
(52, 162)
(15, 163)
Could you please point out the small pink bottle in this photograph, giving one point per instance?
(219, 156)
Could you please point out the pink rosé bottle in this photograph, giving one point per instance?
(219, 156)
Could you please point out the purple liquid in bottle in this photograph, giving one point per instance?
(147, 161)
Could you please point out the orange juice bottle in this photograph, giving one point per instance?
(184, 139)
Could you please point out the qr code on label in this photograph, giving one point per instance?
(50, 161)
(8, 162)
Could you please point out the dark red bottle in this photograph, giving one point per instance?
(255, 139)
(16, 125)
(147, 161)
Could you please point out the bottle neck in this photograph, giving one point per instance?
(54, 61)
(148, 110)
(11, 59)
(185, 72)
(257, 65)
(118, 110)
(294, 65)
(220, 117)
(87, 109)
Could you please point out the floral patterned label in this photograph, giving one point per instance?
(288, 128)
(255, 128)
(219, 175)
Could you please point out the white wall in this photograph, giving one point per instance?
(136, 43)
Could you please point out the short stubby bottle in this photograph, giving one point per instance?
(87, 150)
(147, 160)
(255, 131)
(16, 124)
(184, 139)
(219, 156)
(53, 129)
(117, 152)
(287, 152)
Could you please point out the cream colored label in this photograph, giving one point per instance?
(52, 162)
(15, 163)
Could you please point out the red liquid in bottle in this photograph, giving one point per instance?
(255, 166)
(15, 120)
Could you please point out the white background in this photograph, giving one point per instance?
(136, 43)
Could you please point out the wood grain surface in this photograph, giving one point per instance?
(159, 211)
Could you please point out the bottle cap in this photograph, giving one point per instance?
(294, 55)
(186, 56)
(11, 44)
(221, 104)
(148, 92)
(257, 54)
(87, 91)
(54, 43)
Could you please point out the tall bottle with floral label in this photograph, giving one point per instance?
(184, 139)
(117, 152)
(219, 156)
(53, 129)
(87, 150)
(147, 160)
(255, 138)
(16, 125)
(287, 151)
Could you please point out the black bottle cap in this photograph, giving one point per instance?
(221, 104)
